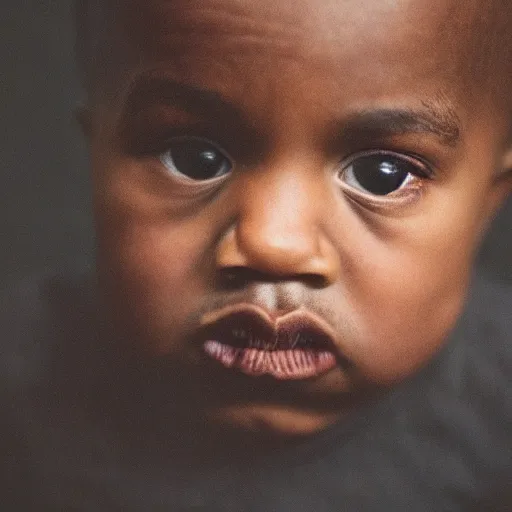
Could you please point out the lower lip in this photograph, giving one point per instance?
(293, 364)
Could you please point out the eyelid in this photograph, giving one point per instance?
(148, 133)
(185, 136)
(397, 199)
(183, 178)
(425, 169)
(156, 138)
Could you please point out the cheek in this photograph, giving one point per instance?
(153, 277)
(408, 284)
(153, 266)
(160, 258)
(405, 315)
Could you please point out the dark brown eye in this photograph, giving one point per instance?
(380, 174)
(196, 159)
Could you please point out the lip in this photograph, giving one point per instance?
(247, 338)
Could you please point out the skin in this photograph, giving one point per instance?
(303, 81)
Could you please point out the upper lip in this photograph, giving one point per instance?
(296, 328)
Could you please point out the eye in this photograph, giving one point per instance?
(381, 174)
(196, 159)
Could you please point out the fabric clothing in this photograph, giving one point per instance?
(442, 441)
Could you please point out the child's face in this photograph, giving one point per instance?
(334, 160)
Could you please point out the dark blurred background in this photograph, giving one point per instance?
(45, 192)
(45, 196)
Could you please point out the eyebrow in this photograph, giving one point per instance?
(433, 119)
(150, 90)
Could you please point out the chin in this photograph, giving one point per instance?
(272, 420)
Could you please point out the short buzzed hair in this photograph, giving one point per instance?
(488, 42)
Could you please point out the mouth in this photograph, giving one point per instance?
(296, 346)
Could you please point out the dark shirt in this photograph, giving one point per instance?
(78, 433)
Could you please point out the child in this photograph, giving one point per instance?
(288, 199)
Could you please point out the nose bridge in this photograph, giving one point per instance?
(278, 209)
(278, 229)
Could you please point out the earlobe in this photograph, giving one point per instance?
(507, 163)
(502, 186)
(505, 176)
(83, 116)
(500, 189)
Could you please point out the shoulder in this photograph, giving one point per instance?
(34, 313)
(477, 364)
(486, 331)
(470, 395)
(46, 322)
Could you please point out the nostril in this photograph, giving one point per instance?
(238, 277)
(243, 256)
(315, 280)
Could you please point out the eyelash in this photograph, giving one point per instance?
(424, 172)
(425, 169)
(421, 172)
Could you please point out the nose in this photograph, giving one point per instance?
(279, 229)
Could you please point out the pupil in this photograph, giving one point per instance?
(197, 159)
(380, 177)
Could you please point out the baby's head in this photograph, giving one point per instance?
(289, 194)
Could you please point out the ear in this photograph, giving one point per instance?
(83, 117)
(504, 179)
(502, 185)
(507, 161)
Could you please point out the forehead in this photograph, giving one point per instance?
(368, 50)
(382, 40)
(299, 25)
(325, 19)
